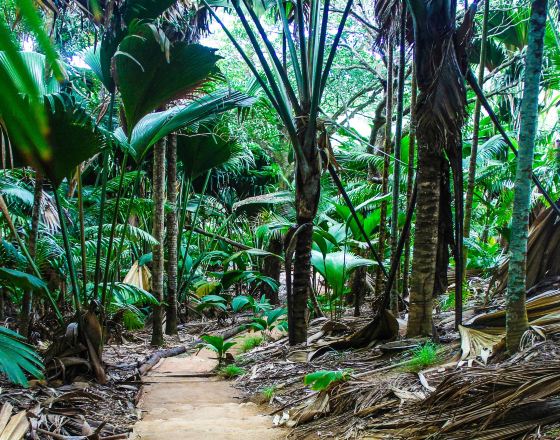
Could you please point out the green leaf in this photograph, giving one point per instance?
(73, 137)
(204, 150)
(240, 302)
(145, 9)
(336, 267)
(17, 357)
(21, 280)
(323, 379)
(150, 74)
(153, 127)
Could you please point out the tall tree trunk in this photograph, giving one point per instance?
(516, 312)
(385, 178)
(171, 239)
(25, 313)
(425, 242)
(394, 300)
(410, 177)
(308, 190)
(439, 56)
(158, 194)
(476, 129)
(272, 266)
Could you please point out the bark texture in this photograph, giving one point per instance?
(158, 194)
(425, 242)
(516, 312)
(171, 236)
(308, 189)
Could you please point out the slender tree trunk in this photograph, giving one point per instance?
(386, 164)
(410, 178)
(425, 243)
(359, 288)
(516, 312)
(272, 266)
(25, 313)
(378, 122)
(394, 300)
(476, 129)
(158, 190)
(171, 240)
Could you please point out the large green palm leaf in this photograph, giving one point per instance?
(153, 127)
(150, 72)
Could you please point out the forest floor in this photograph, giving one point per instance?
(388, 391)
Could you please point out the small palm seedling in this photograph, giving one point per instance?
(251, 342)
(216, 344)
(269, 321)
(212, 302)
(325, 379)
(243, 302)
(423, 356)
(231, 371)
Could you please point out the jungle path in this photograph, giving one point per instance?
(182, 400)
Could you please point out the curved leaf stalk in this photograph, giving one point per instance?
(21, 244)
(82, 232)
(68, 251)
(126, 224)
(104, 172)
(112, 234)
(193, 223)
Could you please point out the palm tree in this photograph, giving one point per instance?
(296, 102)
(516, 313)
(439, 52)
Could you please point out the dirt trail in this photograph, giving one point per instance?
(176, 406)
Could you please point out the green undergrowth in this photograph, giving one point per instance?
(251, 342)
(231, 371)
(424, 356)
(269, 392)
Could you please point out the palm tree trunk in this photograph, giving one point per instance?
(25, 314)
(516, 312)
(410, 177)
(476, 129)
(386, 164)
(171, 239)
(308, 190)
(158, 190)
(394, 301)
(425, 242)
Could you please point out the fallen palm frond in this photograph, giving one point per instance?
(12, 427)
(484, 335)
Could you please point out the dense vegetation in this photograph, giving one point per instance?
(165, 161)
